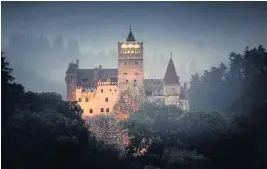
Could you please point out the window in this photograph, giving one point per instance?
(126, 81)
(91, 90)
(80, 99)
(136, 63)
(125, 63)
(109, 89)
(115, 90)
(134, 81)
(107, 109)
(101, 90)
(125, 73)
(106, 99)
(102, 110)
(135, 73)
(86, 99)
(91, 111)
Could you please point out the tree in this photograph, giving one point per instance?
(129, 101)
(12, 93)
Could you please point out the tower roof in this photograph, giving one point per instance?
(130, 36)
(170, 75)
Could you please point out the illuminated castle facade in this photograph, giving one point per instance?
(97, 90)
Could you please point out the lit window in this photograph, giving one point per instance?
(101, 90)
(102, 110)
(91, 110)
(80, 99)
(106, 99)
(86, 99)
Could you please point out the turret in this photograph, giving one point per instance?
(71, 80)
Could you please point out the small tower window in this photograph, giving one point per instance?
(91, 111)
(86, 100)
(107, 109)
(106, 99)
(102, 109)
(80, 99)
(101, 90)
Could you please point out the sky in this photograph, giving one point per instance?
(201, 32)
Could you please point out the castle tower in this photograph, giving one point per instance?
(171, 85)
(130, 62)
(71, 80)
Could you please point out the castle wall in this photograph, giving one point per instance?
(97, 101)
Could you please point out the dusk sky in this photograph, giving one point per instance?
(203, 32)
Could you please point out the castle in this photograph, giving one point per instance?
(97, 90)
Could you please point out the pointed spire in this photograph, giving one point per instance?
(170, 75)
(130, 36)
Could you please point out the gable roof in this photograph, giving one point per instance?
(130, 36)
(170, 77)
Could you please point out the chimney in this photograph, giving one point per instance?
(100, 66)
(77, 63)
(96, 73)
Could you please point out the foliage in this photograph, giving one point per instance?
(109, 131)
(130, 100)
(220, 88)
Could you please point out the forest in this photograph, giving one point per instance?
(225, 127)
